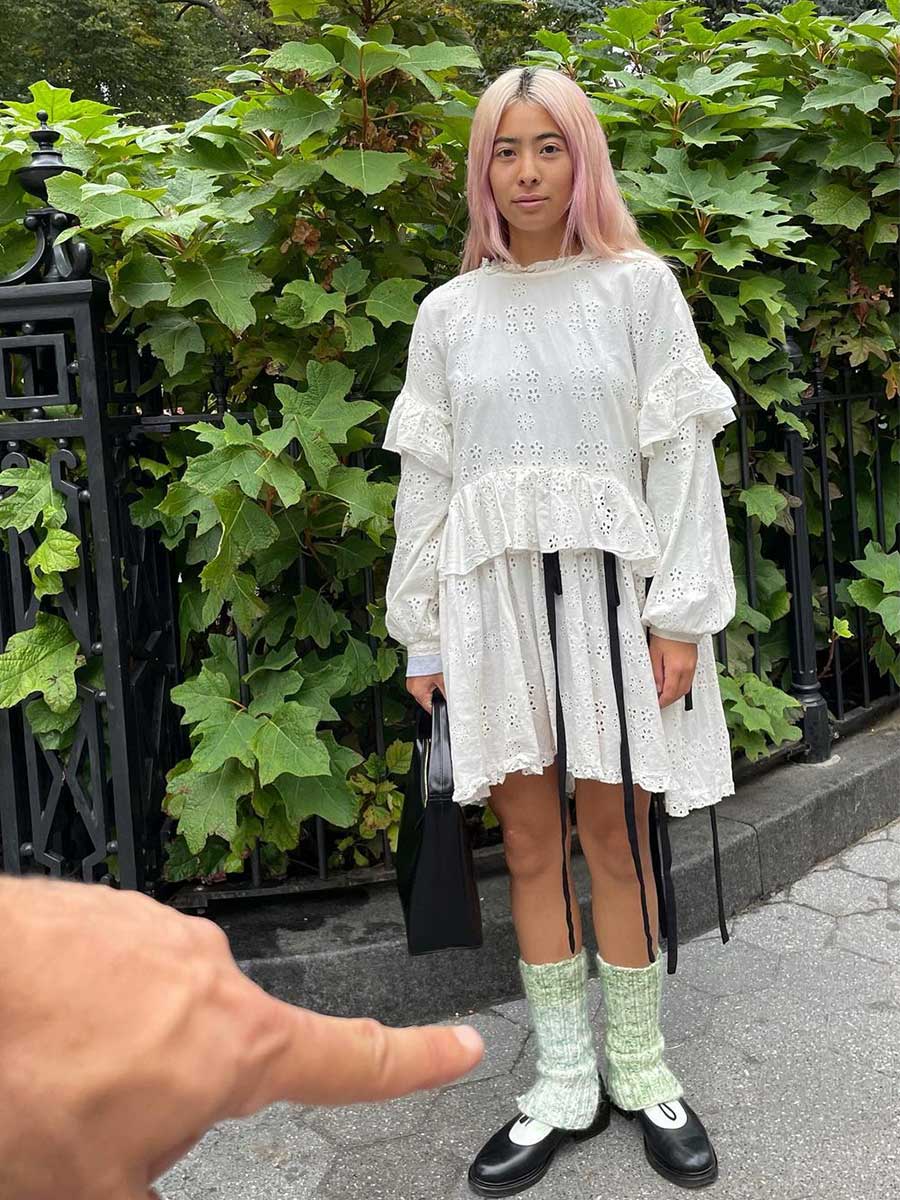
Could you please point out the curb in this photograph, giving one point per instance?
(345, 954)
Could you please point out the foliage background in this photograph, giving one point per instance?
(286, 233)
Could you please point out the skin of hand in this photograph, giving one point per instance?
(421, 687)
(674, 664)
(127, 1030)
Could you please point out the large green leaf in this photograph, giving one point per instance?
(207, 696)
(172, 337)
(838, 205)
(286, 742)
(328, 796)
(368, 171)
(206, 804)
(298, 115)
(222, 738)
(844, 86)
(224, 282)
(877, 565)
(34, 498)
(56, 553)
(41, 659)
(315, 59)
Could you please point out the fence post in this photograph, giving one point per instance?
(817, 731)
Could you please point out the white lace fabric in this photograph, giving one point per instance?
(564, 405)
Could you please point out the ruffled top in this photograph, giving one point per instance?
(545, 508)
(577, 411)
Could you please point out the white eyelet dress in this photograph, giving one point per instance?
(556, 430)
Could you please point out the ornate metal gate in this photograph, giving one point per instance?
(69, 399)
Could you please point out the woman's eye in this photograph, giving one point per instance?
(503, 153)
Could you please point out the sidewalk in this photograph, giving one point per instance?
(787, 1040)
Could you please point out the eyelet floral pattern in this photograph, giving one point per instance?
(566, 405)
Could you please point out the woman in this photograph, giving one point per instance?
(556, 430)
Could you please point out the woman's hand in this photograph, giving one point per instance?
(674, 664)
(421, 687)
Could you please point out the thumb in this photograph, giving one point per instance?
(343, 1060)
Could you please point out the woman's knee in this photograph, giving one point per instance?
(603, 831)
(527, 807)
(530, 851)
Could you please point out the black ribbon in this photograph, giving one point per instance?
(552, 588)
(660, 846)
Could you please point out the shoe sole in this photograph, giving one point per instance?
(520, 1185)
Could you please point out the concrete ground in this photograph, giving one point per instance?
(787, 1041)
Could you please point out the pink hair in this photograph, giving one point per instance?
(597, 215)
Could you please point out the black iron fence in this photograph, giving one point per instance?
(67, 386)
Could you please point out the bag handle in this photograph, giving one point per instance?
(440, 764)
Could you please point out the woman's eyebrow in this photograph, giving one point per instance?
(537, 138)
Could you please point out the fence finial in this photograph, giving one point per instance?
(49, 263)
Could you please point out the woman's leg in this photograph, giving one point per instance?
(616, 896)
(566, 1091)
(640, 1083)
(632, 986)
(527, 807)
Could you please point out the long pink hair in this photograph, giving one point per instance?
(597, 215)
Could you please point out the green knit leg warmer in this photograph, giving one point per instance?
(567, 1088)
(634, 1043)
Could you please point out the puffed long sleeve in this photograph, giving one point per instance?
(692, 592)
(683, 405)
(419, 430)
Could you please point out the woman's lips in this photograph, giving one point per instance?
(530, 203)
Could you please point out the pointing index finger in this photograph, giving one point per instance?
(311, 1058)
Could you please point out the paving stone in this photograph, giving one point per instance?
(724, 1084)
(268, 1156)
(839, 892)
(851, 1161)
(722, 970)
(685, 1011)
(893, 899)
(870, 1037)
(875, 935)
(784, 927)
(758, 1024)
(825, 981)
(400, 1169)
(371, 1122)
(879, 860)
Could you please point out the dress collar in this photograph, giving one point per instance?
(542, 266)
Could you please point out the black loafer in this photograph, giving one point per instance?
(503, 1167)
(683, 1154)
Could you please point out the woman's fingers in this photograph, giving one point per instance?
(672, 674)
(312, 1058)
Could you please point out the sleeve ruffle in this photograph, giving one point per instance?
(416, 428)
(683, 390)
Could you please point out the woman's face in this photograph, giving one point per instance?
(530, 157)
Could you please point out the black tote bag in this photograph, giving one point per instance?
(435, 869)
